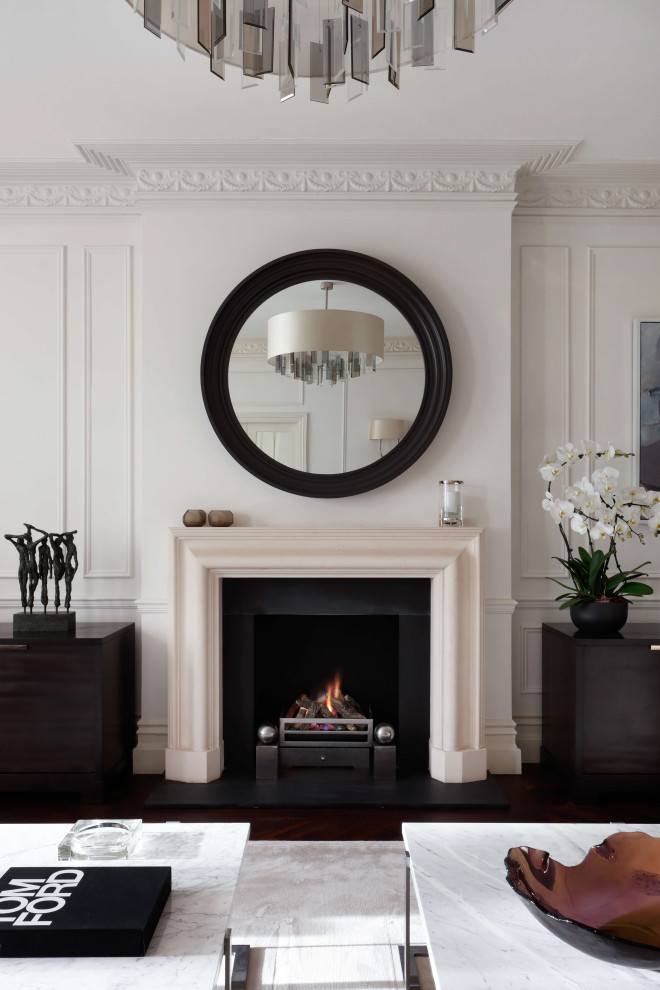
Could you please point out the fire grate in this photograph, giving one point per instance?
(309, 732)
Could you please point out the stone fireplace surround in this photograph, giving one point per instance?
(201, 558)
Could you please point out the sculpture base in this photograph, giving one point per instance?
(64, 622)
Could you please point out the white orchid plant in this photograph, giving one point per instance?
(597, 509)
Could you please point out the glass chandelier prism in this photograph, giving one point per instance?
(332, 43)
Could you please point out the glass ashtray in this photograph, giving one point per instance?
(101, 838)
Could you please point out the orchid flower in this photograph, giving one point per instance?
(605, 479)
(601, 531)
(590, 447)
(550, 470)
(568, 454)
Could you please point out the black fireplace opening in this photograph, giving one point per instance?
(309, 654)
(291, 636)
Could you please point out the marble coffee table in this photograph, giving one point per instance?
(480, 936)
(188, 946)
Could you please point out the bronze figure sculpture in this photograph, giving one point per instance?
(20, 542)
(52, 555)
(70, 565)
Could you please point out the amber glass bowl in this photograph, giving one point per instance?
(607, 906)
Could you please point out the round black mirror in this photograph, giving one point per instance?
(350, 272)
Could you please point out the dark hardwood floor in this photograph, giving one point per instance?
(537, 795)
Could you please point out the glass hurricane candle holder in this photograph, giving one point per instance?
(451, 503)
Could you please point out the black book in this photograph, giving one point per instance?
(81, 910)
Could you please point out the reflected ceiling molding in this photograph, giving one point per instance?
(259, 347)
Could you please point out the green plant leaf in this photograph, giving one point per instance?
(615, 581)
(585, 555)
(562, 585)
(635, 588)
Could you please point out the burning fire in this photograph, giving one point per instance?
(333, 691)
(331, 704)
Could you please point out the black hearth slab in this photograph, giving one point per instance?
(330, 788)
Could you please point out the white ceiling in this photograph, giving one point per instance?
(86, 70)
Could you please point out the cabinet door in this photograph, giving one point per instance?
(48, 710)
(620, 709)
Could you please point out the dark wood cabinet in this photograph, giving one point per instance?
(601, 708)
(67, 708)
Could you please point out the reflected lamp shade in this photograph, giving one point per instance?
(320, 346)
(388, 429)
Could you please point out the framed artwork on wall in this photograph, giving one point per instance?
(647, 402)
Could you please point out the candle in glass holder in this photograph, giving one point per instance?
(451, 503)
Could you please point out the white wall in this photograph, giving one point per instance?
(149, 451)
(579, 283)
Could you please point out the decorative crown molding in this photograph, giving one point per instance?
(127, 174)
(630, 186)
(67, 196)
(541, 175)
(589, 198)
(263, 180)
(125, 158)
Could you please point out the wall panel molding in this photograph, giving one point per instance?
(59, 253)
(102, 412)
(544, 390)
(530, 660)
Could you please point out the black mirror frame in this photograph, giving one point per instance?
(304, 266)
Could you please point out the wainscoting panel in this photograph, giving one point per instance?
(32, 391)
(544, 391)
(108, 500)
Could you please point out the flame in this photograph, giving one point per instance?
(328, 701)
(333, 691)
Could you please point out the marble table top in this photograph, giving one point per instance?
(480, 935)
(188, 940)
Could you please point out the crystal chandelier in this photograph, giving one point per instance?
(332, 43)
(325, 346)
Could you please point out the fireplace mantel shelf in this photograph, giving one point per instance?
(202, 557)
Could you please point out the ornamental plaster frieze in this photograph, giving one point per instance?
(48, 196)
(557, 197)
(598, 187)
(317, 181)
(173, 184)
(128, 174)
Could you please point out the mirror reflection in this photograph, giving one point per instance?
(326, 390)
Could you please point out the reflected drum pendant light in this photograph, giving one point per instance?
(336, 44)
(325, 346)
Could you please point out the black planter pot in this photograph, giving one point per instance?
(599, 618)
